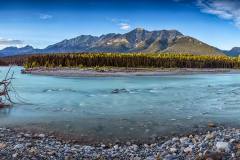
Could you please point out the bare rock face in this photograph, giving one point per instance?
(137, 40)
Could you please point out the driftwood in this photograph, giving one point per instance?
(5, 85)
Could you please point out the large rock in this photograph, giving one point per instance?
(222, 146)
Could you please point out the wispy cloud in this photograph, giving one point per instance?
(124, 26)
(10, 42)
(122, 23)
(225, 9)
(45, 16)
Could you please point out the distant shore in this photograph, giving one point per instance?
(92, 72)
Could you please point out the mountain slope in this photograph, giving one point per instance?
(78, 44)
(137, 40)
(233, 52)
(193, 46)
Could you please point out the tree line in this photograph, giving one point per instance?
(132, 60)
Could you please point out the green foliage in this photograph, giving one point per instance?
(154, 60)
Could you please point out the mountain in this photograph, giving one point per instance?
(11, 51)
(235, 51)
(137, 40)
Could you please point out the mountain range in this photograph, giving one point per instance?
(137, 40)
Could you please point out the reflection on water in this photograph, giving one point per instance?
(124, 106)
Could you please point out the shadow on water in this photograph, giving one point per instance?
(5, 112)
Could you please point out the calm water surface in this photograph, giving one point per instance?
(148, 106)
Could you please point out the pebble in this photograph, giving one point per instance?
(18, 146)
(103, 145)
(28, 144)
(15, 155)
(183, 139)
(211, 125)
(27, 135)
(209, 136)
(135, 147)
(128, 143)
(238, 146)
(2, 145)
(175, 139)
(222, 146)
(173, 150)
(146, 145)
(187, 150)
(41, 135)
(115, 147)
(232, 140)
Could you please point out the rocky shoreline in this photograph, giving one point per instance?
(92, 72)
(219, 144)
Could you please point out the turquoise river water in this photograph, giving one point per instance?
(122, 107)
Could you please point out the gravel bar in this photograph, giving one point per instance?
(78, 72)
(221, 144)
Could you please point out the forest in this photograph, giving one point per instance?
(2, 63)
(131, 60)
(18, 60)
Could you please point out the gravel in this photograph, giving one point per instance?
(221, 144)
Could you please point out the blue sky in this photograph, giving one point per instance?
(43, 22)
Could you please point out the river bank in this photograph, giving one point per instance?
(93, 72)
(218, 144)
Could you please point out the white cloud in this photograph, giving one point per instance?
(10, 42)
(45, 16)
(122, 23)
(225, 9)
(124, 26)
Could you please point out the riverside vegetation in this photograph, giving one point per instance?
(132, 60)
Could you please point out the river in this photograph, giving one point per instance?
(98, 108)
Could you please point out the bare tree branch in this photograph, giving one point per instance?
(5, 98)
